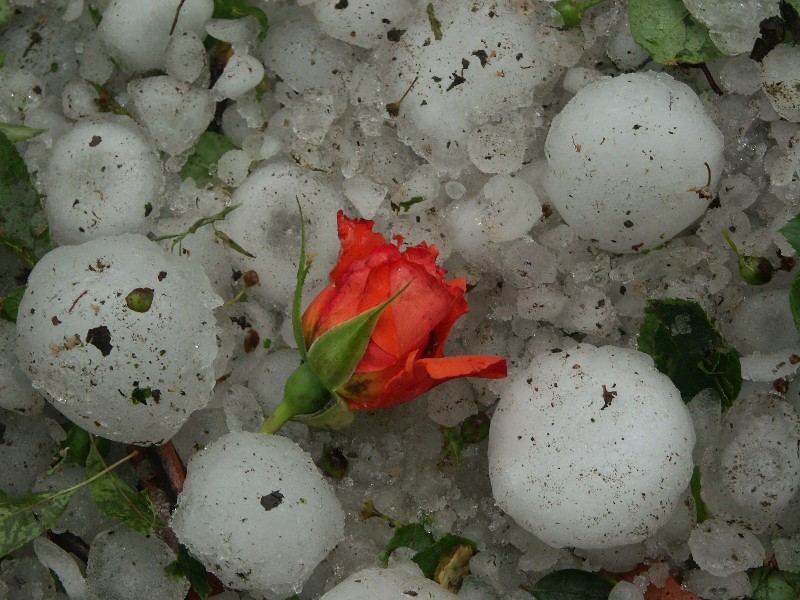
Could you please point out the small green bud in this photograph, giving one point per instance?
(755, 270)
(453, 443)
(140, 299)
(571, 13)
(475, 428)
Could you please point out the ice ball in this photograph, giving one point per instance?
(590, 447)
(780, 79)
(258, 513)
(386, 584)
(632, 161)
(120, 337)
(103, 178)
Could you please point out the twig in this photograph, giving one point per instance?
(173, 466)
(177, 14)
(710, 79)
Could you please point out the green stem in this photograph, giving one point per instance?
(730, 241)
(276, 420)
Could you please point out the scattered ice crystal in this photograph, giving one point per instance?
(590, 447)
(386, 584)
(257, 512)
(103, 178)
(138, 33)
(242, 73)
(26, 449)
(122, 562)
(723, 549)
(780, 77)
(123, 342)
(642, 173)
(186, 58)
(733, 25)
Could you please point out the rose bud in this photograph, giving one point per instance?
(375, 336)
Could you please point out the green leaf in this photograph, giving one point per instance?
(18, 522)
(791, 231)
(453, 443)
(701, 510)
(20, 208)
(9, 305)
(76, 444)
(667, 30)
(686, 347)
(413, 535)
(231, 243)
(794, 300)
(19, 133)
(572, 584)
(116, 498)
(428, 558)
(202, 164)
(435, 23)
(335, 354)
(772, 584)
(192, 569)
(235, 9)
(5, 12)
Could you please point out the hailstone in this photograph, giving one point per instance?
(257, 512)
(120, 337)
(590, 447)
(104, 178)
(632, 161)
(386, 584)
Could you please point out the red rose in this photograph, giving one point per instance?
(405, 355)
(375, 336)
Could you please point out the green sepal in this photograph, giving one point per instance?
(297, 303)
(336, 415)
(335, 355)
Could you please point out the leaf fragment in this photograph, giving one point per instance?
(185, 565)
(19, 133)
(202, 163)
(20, 524)
(235, 9)
(572, 584)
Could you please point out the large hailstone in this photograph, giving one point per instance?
(267, 223)
(257, 512)
(104, 178)
(780, 78)
(138, 33)
(386, 584)
(488, 62)
(363, 23)
(590, 447)
(120, 337)
(632, 161)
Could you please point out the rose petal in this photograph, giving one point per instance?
(358, 242)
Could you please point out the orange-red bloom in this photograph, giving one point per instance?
(405, 355)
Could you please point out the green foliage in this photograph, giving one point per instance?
(772, 584)
(572, 584)
(669, 33)
(235, 9)
(701, 510)
(25, 518)
(177, 238)
(794, 300)
(435, 23)
(791, 231)
(116, 498)
(686, 347)
(429, 558)
(9, 304)
(5, 12)
(22, 225)
(413, 535)
(189, 567)
(19, 133)
(202, 164)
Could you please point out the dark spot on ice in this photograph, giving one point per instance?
(272, 500)
(100, 338)
(251, 340)
(2, 433)
(241, 321)
(162, 275)
(341, 4)
(457, 80)
(394, 35)
(96, 139)
(148, 208)
(55, 321)
(481, 56)
(608, 397)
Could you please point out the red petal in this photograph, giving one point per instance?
(358, 242)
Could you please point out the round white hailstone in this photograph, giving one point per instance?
(305, 58)
(104, 178)
(710, 587)
(16, 392)
(122, 561)
(787, 553)
(621, 48)
(762, 322)
(578, 78)
(237, 32)
(186, 57)
(488, 61)
(723, 549)
(499, 147)
(386, 584)
(590, 448)
(733, 26)
(365, 194)
(202, 428)
(233, 167)
(257, 513)
(242, 73)
(27, 450)
(780, 79)
(123, 341)
(78, 99)
(755, 472)
(625, 590)
(174, 112)
(740, 75)
(138, 33)
(364, 23)
(635, 173)
(267, 224)
(63, 564)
